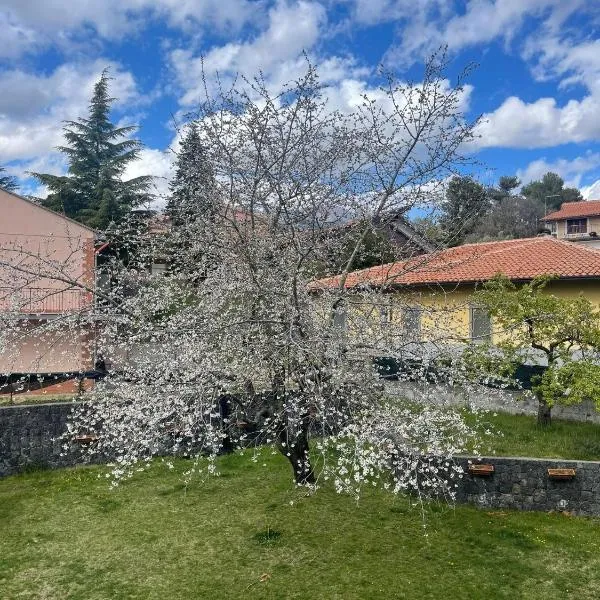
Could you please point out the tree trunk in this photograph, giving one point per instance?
(544, 416)
(299, 457)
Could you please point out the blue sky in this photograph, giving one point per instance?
(537, 84)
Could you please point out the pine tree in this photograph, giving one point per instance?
(98, 152)
(193, 185)
(8, 182)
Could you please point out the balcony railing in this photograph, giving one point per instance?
(46, 301)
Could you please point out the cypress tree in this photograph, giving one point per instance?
(93, 191)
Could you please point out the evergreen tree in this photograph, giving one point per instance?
(506, 185)
(98, 152)
(193, 186)
(192, 205)
(550, 192)
(466, 202)
(8, 182)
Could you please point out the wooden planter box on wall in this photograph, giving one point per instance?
(561, 473)
(481, 470)
(86, 439)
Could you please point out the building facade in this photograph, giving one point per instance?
(576, 222)
(429, 298)
(47, 282)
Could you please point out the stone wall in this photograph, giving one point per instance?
(28, 437)
(514, 402)
(524, 484)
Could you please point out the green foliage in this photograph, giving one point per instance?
(8, 182)
(571, 383)
(93, 191)
(506, 185)
(429, 228)
(566, 331)
(376, 248)
(484, 364)
(508, 214)
(511, 217)
(466, 202)
(192, 188)
(550, 192)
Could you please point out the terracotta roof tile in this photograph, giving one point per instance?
(568, 210)
(521, 259)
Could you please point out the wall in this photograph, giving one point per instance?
(593, 224)
(46, 262)
(513, 402)
(446, 315)
(524, 484)
(37, 347)
(39, 246)
(27, 437)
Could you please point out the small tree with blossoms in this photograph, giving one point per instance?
(245, 351)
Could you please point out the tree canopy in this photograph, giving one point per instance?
(466, 202)
(243, 350)
(550, 192)
(192, 189)
(563, 332)
(474, 213)
(93, 190)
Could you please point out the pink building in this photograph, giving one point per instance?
(46, 287)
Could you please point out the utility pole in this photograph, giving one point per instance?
(546, 205)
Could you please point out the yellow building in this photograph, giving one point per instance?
(428, 298)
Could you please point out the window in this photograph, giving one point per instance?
(385, 313)
(481, 325)
(411, 323)
(340, 318)
(575, 226)
(553, 228)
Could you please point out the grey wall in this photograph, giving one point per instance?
(27, 437)
(523, 483)
(490, 399)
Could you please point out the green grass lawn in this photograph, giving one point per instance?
(522, 437)
(250, 534)
(18, 399)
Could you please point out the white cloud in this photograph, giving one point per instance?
(539, 124)
(591, 192)
(292, 28)
(543, 123)
(551, 47)
(571, 171)
(157, 163)
(431, 23)
(30, 24)
(33, 107)
(16, 38)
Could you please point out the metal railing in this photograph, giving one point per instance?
(46, 301)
